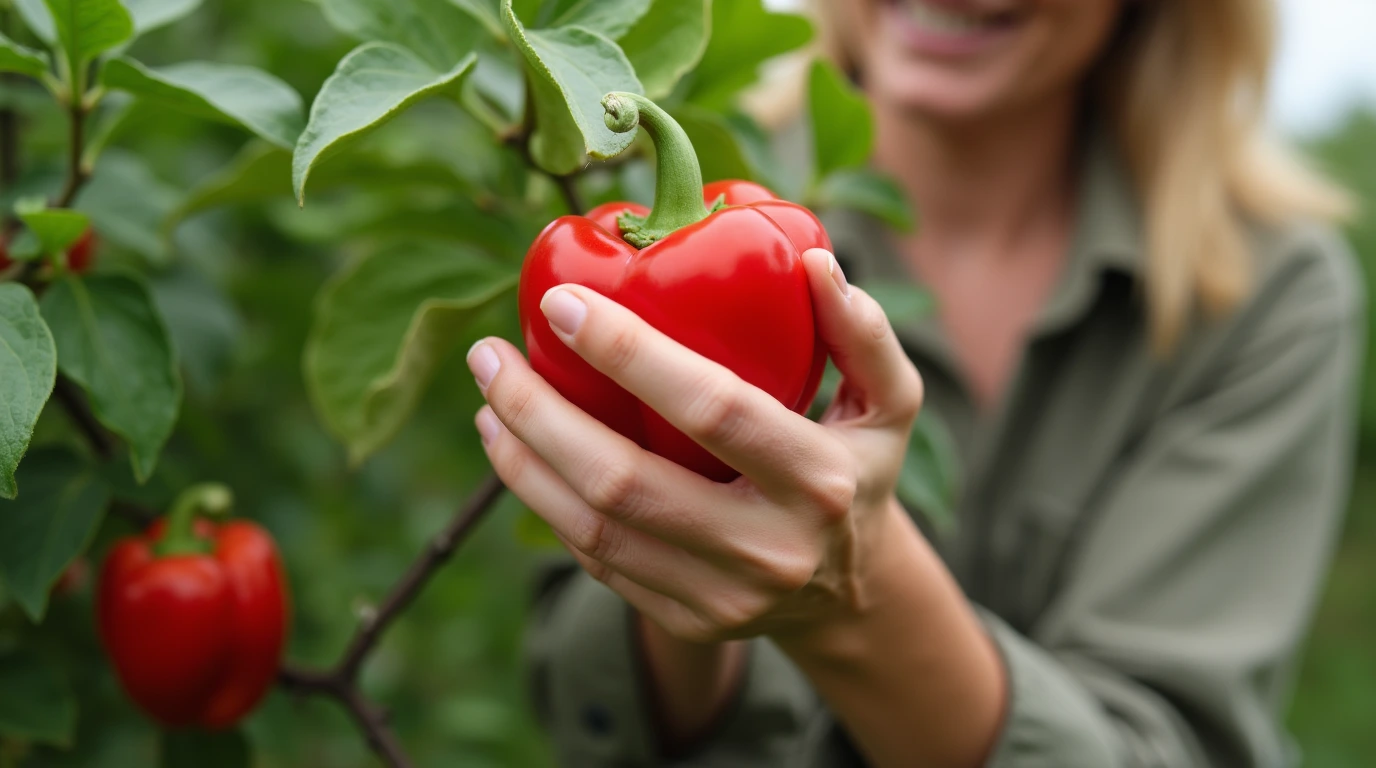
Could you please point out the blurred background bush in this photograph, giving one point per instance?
(238, 298)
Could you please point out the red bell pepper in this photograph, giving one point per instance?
(718, 269)
(193, 614)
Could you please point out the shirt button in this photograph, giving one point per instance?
(596, 720)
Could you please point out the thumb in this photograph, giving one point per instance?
(857, 333)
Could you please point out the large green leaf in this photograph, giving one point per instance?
(87, 28)
(487, 13)
(261, 171)
(371, 85)
(28, 368)
(230, 93)
(667, 42)
(36, 701)
(867, 191)
(112, 341)
(17, 58)
(438, 31)
(127, 204)
(48, 525)
(193, 748)
(842, 129)
(570, 69)
(151, 14)
(744, 35)
(612, 18)
(55, 228)
(38, 19)
(381, 328)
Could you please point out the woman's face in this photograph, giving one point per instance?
(963, 60)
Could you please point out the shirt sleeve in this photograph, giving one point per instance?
(1181, 611)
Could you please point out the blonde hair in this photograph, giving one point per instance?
(1183, 86)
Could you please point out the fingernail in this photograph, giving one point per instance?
(488, 425)
(837, 275)
(483, 362)
(564, 310)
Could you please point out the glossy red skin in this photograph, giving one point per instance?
(82, 253)
(196, 640)
(731, 287)
(5, 260)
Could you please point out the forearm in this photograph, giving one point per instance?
(910, 671)
(691, 683)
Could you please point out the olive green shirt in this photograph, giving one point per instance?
(1144, 538)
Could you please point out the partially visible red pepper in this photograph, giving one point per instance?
(718, 268)
(82, 253)
(193, 614)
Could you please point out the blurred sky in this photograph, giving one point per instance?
(1327, 61)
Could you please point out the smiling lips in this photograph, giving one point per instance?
(947, 28)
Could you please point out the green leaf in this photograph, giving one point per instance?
(371, 85)
(487, 13)
(667, 42)
(229, 93)
(842, 129)
(151, 14)
(38, 19)
(127, 204)
(570, 70)
(36, 701)
(87, 28)
(28, 368)
(202, 323)
(867, 191)
(612, 18)
(744, 35)
(194, 748)
(381, 328)
(48, 525)
(927, 481)
(55, 228)
(441, 32)
(112, 341)
(719, 153)
(17, 58)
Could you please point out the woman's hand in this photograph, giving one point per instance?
(777, 551)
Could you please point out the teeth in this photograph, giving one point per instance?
(939, 19)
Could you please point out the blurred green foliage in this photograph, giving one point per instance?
(236, 280)
(1336, 694)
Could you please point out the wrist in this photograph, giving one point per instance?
(691, 685)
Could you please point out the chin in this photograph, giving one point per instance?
(939, 98)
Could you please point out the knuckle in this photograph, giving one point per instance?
(717, 414)
(874, 321)
(597, 537)
(518, 406)
(734, 613)
(613, 488)
(911, 395)
(833, 493)
(622, 347)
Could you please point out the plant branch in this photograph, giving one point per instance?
(79, 412)
(340, 682)
(436, 554)
(76, 144)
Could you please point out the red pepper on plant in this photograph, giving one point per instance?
(193, 613)
(82, 253)
(717, 268)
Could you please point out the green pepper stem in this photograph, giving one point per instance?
(180, 537)
(678, 177)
